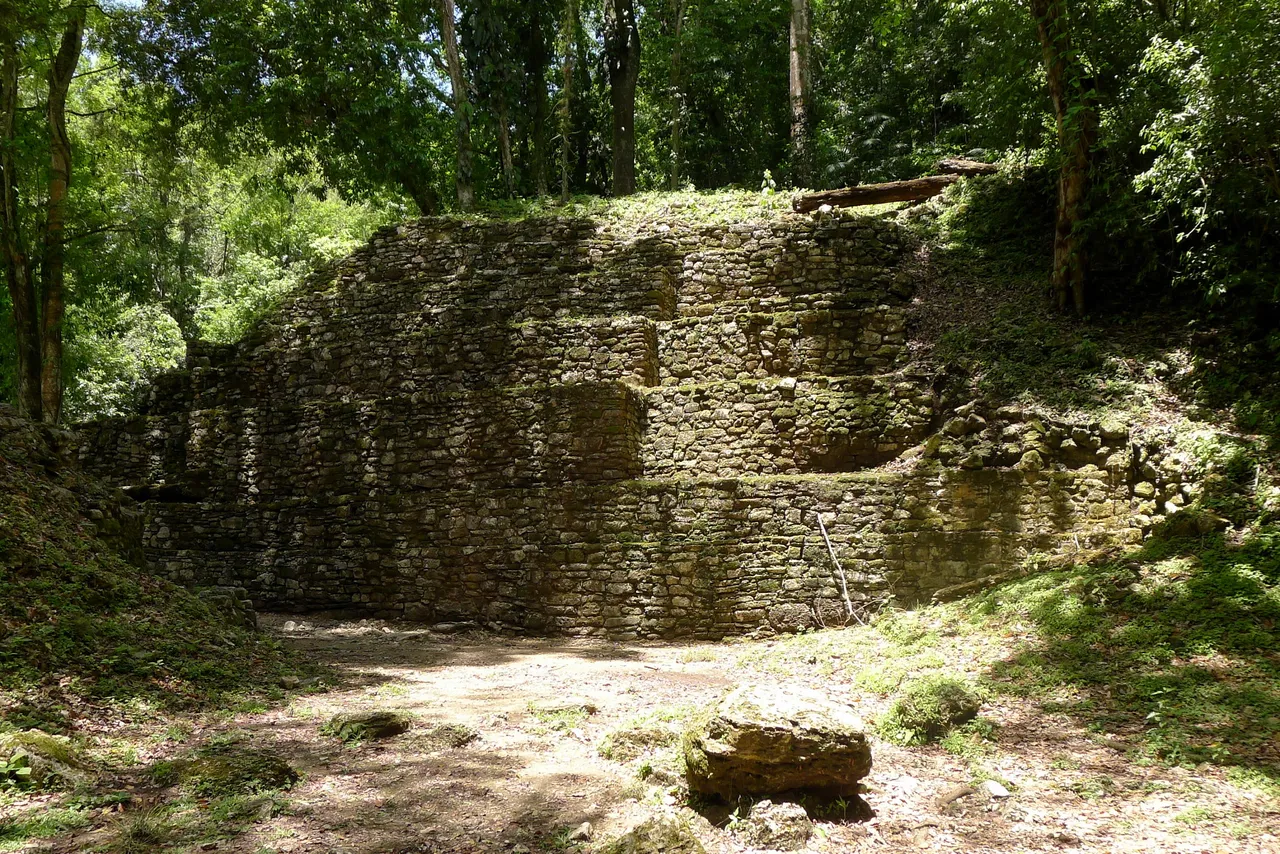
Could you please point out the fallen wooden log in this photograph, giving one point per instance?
(961, 166)
(914, 190)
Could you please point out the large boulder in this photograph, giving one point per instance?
(765, 740)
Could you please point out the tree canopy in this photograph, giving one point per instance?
(171, 166)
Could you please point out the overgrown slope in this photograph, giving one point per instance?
(82, 630)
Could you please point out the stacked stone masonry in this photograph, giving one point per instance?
(558, 426)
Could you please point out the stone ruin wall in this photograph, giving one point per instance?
(560, 427)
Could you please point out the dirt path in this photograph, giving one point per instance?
(531, 775)
(530, 778)
(534, 774)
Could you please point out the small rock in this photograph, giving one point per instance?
(1031, 461)
(289, 683)
(290, 626)
(581, 833)
(994, 789)
(781, 826)
(453, 628)
(358, 726)
(662, 835)
(447, 736)
(568, 706)
(235, 769)
(1113, 431)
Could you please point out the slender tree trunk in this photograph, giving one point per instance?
(622, 54)
(465, 178)
(801, 156)
(53, 278)
(22, 294)
(181, 305)
(504, 148)
(536, 74)
(677, 92)
(1077, 131)
(569, 46)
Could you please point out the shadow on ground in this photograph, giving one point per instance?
(1171, 648)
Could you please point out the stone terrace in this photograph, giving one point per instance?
(563, 426)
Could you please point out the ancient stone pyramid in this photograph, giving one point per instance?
(569, 426)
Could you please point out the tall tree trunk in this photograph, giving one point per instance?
(53, 274)
(801, 155)
(677, 92)
(22, 294)
(536, 75)
(1077, 130)
(622, 54)
(504, 147)
(568, 48)
(465, 178)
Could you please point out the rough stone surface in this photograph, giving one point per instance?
(780, 827)
(55, 453)
(232, 603)
(660, 835)
(767, 740)
(557, 426)
(235, 770)
(51, 761)
(358, 726)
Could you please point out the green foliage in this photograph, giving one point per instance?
(1215, 143)
(15, 771)
(40, 824)
(928, 708)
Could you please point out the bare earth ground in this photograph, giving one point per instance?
(525, 783)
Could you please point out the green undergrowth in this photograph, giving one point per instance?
(81, 628)
(1170, 649)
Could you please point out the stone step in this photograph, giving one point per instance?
(787, 426)
(584, 431)
(782, 344)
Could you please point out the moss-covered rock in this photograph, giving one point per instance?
(661, 835)
(41, 761)
(929, 708)
(234, 770)
(361, 726)
(765, 740)
(637, 738)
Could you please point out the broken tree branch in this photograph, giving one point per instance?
(915, 190)
(844, 585)
(961, 166)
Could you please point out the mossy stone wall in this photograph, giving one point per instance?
(562, 426)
